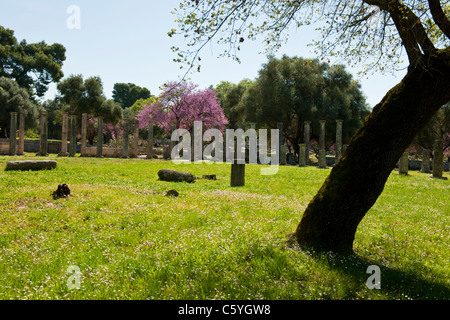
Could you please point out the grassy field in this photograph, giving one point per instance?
(129, 241)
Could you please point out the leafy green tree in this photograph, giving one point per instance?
(55, 109)
(15, 99)
(128, 93)
(34, 66)
(86, 96)
(294, 90)
(230, 95)
(372, 33)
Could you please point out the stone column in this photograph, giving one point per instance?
(43, 134)
(64, 135)
(438, 158)
(307, 137)
(280, 133)
(237, 170)
(100, 137)
(126, 141)
(322, 135)
(150, 141)
(322, 159)
(172, 144)
(83, 134)
(338, 140)
(73, 136)
(302, 155)
(21, 145)
(13, 134)
(403, 164)
(283, 152)
(425, 161)
(136, 139)
(224, 144)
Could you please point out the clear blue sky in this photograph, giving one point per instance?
(126, 41)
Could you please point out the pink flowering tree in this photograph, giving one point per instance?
(182, 103)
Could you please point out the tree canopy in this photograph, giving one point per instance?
(294, 90)
(230, 96)
(86, 96)
(33, 65)
(128, 93)
(370, 32)
(15, 99)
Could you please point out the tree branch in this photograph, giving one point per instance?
(409, 27)
(439, 17)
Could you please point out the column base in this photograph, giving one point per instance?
(63, 154)
(440, 178)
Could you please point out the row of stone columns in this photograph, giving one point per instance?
(306, 146)
(69, 124)
(18, 148)
(438, 161)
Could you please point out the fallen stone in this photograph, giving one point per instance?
(172, 193)
(63, 191)
(175, 176)
(33, 165)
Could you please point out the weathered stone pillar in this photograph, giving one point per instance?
(43, 134)
(338, 140)
(280, 134)
(224, 144)
(322, 135)
(307, 137)
(283, 155)
(425, 161)
(302, 155)
(83, 134)
(403, 164)
(135, 152)
(150, 141)
(196, 143)
(126, 131)
(73, 136)
(172, 144)
(100, 137)
(64, 135)
(237, 170)
(322, 159)
(21, 145)
(438, 158)
(13, 134)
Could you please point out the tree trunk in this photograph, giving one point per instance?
(353, 186)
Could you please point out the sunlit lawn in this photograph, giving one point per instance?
(213, 241)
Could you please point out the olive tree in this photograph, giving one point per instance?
(421, 29)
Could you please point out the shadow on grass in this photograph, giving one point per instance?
(397, 284)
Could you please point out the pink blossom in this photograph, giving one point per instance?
(182, 104)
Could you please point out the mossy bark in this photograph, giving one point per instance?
(355, 183)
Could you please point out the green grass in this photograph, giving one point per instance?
(213, 241)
